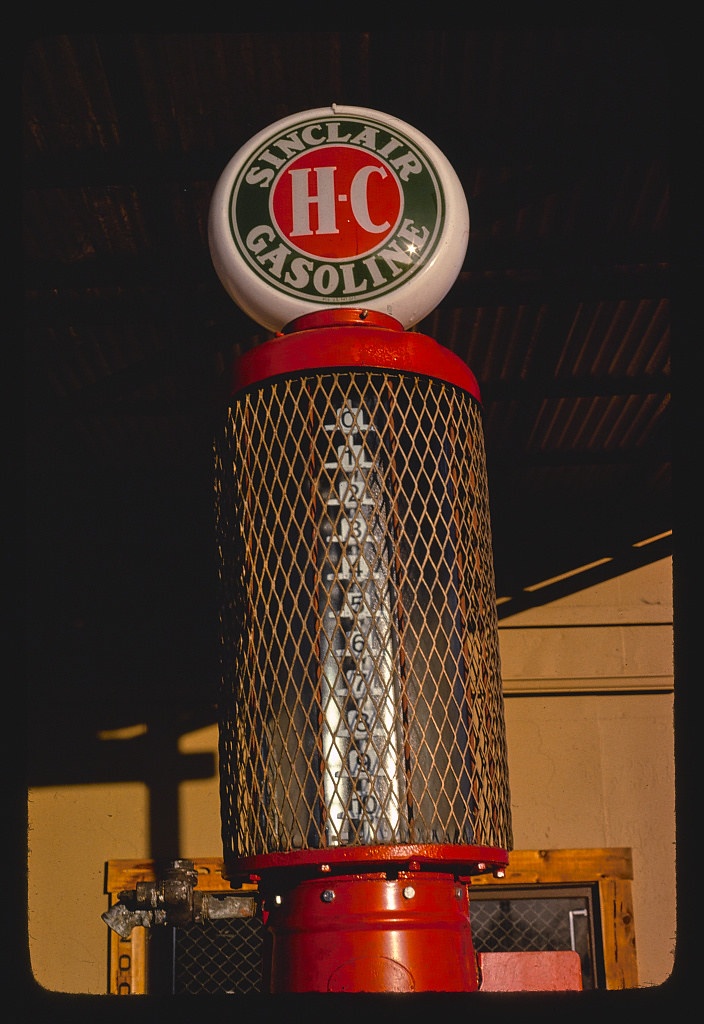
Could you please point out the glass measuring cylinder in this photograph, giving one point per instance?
(361, 703)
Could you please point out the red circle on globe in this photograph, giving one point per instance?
(336, 202)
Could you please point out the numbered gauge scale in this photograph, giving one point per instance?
(362, 745)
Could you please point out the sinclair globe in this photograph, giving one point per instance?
(339, 206)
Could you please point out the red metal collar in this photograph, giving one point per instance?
(352, 339)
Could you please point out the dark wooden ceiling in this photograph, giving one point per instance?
(561, 140)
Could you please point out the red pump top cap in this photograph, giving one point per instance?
(351, 339)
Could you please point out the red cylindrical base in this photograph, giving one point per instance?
(372, 934)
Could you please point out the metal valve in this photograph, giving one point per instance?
(171, 900)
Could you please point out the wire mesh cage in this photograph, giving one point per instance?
(361, 697)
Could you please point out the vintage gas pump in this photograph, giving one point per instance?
(363, 764)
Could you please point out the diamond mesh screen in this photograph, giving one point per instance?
(218, 956)
(361, 694)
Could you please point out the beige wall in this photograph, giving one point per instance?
(591, 749)
(588, 684)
